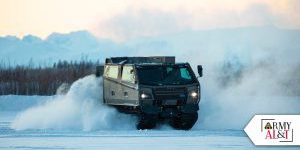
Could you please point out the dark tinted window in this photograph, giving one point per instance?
(165, 75)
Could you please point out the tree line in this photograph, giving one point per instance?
(30, 80)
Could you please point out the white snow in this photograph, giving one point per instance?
(80, 109)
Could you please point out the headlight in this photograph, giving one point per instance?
(194, 94)
(146, 93)
(193, 97)
(144, 96)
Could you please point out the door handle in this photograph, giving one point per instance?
(112, 93)
(126, 94)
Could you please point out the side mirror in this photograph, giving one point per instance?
(99, 71)
(200, 69)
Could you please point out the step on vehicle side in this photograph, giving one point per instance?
(154, 88)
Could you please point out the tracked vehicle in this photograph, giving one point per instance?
(155, 88)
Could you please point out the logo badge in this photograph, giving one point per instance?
(274, 129)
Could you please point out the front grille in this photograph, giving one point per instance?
(170, 96)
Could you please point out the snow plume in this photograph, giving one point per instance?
(80, 109)
(235, 90)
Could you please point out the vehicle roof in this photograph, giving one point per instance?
(141, 60)
(151, 64)
(159, 64)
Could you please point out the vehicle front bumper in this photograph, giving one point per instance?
(167, 111)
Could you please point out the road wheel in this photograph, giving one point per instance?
(184, 121)
(146, 121)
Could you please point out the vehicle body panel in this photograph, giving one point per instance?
(118, 92)
(153, 88)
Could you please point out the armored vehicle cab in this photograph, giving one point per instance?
(154, 88)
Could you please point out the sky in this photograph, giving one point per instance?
(126, 19)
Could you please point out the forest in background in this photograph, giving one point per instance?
(42, 80)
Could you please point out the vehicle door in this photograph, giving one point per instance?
(129, 85)
(111, 86)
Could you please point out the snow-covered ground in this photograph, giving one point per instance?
(78, 120)
(116, 138)
(163, 138)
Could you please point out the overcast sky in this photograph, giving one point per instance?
(121, 20)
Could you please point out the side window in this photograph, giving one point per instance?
(185, 73)
(111, 71)
(128, 74)
(106, 71)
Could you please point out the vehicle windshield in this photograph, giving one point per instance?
(165, 75)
